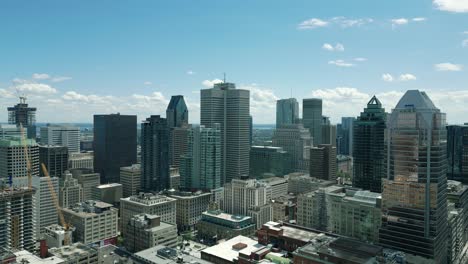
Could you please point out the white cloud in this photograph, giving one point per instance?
(30, 87)
(312, 23)
(399, 21)
(465, 32)
(455, 6)
(360, 59)
(262, 103)
(419, 19)
(350, 22)
(337, 47)
(210, 83)
(341, 63)
(40, 76)
(407, 77)
(190, 72)
(6, 93)
(446, 66)
(60, 79)
(147, 83)
(387, 77)
(465, 43)
(327, 46)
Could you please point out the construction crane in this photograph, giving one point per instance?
(66, 227)
(26, 156)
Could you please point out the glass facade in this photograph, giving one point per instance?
(457, 153)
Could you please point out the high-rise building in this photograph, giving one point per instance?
(312, 118)
(67, 136)
(287, 112)
(45, 212)
(328, 132)
(457, 153)
(55, 158)
(177, 121)
(369, 147)
(115, 144)
(345, 135)
(7, 131)
(13, 162)
(177, 113)
(70, 191)
(17, 223)
(229, 107)
(178, 144)
(88, 180)
(201, 166)
(23, 115)
(323, 162)
(302, 183)
(296, 140)
(130, 178)
(266, 160)
(414, 195)
(457, 196)
(155, 154)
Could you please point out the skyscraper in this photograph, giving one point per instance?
(225, 105)
(115, 140)
(328, 132)
(21, 114)
(201, 166)
(296, 140)
(55, 158)
(414, 195)
(345, 134)
(457, 153)
(323, 162)
(67, 136)
(177, 112)
(177, 121)
(13, 162)
(312, 118)
(287, 112)
(368, 149)
(155, 154)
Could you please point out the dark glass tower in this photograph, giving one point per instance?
(368, 149)
(312, 118)
(414, 195)
(177, 112)
(177, 122)
(55, 158)
(154, 154)
(457, 153)
(115, 144)
(21, 114)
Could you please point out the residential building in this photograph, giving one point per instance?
(13, 163)
(215, 225)
(145, 231)
(297, 141)
(88, 181)
(287, 112)
(302, 183)
(110, 193)
(94, 222)
(201, 166)
(457, 153)
(265, 160)
(323, 162)
(130, 178)
(45, 212)
(17, 225)
(148, 203)
(61, 135)
(55, 158)
(109, 157)
(369, 147)
(414, 195)
(23, 115)
(312, 118)
(70, 191)
(155, 154)
(189, 208)
(84, 160)
(77, 253)
(229, 107)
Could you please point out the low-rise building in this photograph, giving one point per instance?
(232, 250)
(216, 225)
(77, 253)
(57, 236)
(278, 186)
(284, 208)
(84, 160)
(24, 256)
(190, 207)
(145, 231)
(130, 178)
(457, 197)
(302, 183)
(165, 255)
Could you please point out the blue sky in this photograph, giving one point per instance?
(76, 58)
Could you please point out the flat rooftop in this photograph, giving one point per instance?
(151, 255)
(226, 216)
(226, 250)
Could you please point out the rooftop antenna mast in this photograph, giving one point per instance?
(224, 79)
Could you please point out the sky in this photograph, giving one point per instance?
(73, 59)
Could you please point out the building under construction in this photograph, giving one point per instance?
(16, 219)
(24, 115)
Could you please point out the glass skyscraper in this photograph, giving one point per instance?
(368, 149)
(312, 118)
(457, 153)
(287, 112)
(177, 113)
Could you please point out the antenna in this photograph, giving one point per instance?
(224, 80)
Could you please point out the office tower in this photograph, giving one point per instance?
(154, 154)
(88, 180)
(45, 212)
(67, 136)
(178, 139)
(17, 224)
(146, 230)
(115, 144)
(414, 195)
(323, 162)
(13, 162)
(312, 118)
(130, 178)
(457, 153)
(345, 135)
(55, 158)
(83, 160)
(457, 196)
(369, 147)
(287, 112)
(269, 161)
(7, 131)
(177, 113)
(189, 208)
(296, 140)
(177, 122)
(70, 191)
(23, 115)
(95, 222)
(251, 130)
(328, 132)
(148, 203)
(225, 105)
(201, 166)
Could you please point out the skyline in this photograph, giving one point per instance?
(95, 58)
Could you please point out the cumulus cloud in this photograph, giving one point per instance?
(312, 23)
(447, 66)
(399, 21)
(329, 47)
(341, 63)
(387, 77)
(262, 103)
(31, 87)
(342, 22)
(407, 77)
(455, 6)
(6, 93)
(210, 83)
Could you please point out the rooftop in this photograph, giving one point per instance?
(109, 185)
(230, 249)
(415, 99)
(163, 255)
(24, 256)
(148, 199)
(225, 216)
(75, 250)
